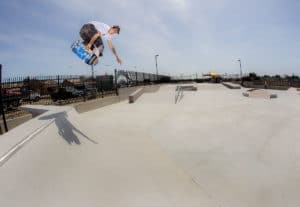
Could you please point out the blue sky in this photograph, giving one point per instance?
(191, 36)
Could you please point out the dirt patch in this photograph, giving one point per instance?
(14, 114)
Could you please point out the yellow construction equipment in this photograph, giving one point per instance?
(212, 74)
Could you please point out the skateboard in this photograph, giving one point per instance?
(86, 56)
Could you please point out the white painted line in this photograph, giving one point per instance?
(4, 158)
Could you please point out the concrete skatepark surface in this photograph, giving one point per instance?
(213, 148)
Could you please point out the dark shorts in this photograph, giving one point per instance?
(87, 32)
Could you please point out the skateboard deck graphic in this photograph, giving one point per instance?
(79, 50)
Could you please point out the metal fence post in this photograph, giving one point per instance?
(116, 83)
(101, 85)
(136, 78)
(58, 81)
(1, 101)
(29, 87)
(144, 78)
(127, 79)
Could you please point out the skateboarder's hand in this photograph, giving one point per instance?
(88, 46)
(119, 60)
(96, 61)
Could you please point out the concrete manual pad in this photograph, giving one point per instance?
(135, 95)
(259, 93)
(232, 85)
(213, 148)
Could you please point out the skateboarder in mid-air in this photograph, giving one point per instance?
(92, 35)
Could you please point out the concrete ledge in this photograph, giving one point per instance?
(250, 94)
(12, 123)
(95, 104)
(123, 95)
(135, 95)
(261, 85)
(187, 88)
(232, 85)
(125, 92)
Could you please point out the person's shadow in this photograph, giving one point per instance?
(66, 129)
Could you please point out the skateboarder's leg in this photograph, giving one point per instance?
(98, 48)
(87, 31)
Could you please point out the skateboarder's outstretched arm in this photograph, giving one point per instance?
(113, 49)
(93, 39)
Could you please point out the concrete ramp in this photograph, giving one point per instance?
(15, 139)
(77, 160)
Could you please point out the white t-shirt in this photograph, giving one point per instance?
(103, 28)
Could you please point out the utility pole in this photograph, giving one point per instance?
(241, 72)
(156, 66)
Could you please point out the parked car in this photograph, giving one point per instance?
(11, 101)
(89, 92)
(30, 95)
(66, 93)
(34, 96)
(74, 91)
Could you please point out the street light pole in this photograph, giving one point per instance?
(241, 72)
(156, 66)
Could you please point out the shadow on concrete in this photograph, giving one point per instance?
(66, 129)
